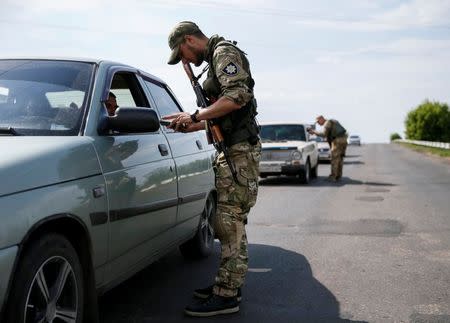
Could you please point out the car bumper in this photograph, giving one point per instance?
(324, 156)
(274, 168)
(7, 258)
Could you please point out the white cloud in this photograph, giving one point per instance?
(414, 14)
(408, 47)
(418, 13)
(413, 47)
(49, 6)
(71, 18)
(214, 4)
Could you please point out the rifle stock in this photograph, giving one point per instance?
(213, 131)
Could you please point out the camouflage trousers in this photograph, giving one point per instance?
(234, 202)
(338, 147)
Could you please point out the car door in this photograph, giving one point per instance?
(140, 182)
(311, 148)
(192, 155)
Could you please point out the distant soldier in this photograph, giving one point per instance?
(337, 138)
(230, 86)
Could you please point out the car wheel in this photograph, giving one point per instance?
(305, 175)
(315, 170)
(48, 285)
(201, 245)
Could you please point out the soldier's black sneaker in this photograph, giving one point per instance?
(214, 305)
(204, 293)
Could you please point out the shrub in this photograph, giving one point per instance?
(429, 121)
(395, 136)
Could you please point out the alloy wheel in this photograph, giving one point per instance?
(53, 293)
(207, 229)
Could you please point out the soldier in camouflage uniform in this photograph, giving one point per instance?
(230, 86)
(337, 138)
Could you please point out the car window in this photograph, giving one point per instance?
(3, 94)
(282, 132)
(127, 91)
(65, 99)
(43, 97)
(164, 102)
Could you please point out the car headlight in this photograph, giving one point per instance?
(296, 155)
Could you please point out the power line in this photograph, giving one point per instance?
(283, 13)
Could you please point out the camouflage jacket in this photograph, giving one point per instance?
(332, 129)
(229, 72)
(229, 76)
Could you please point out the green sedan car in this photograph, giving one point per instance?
(93, 189)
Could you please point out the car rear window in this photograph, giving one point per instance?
(43, 97)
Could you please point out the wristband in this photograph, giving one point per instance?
(194, 116)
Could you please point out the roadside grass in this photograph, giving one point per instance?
(427, 150)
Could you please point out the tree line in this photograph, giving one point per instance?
(430, 121)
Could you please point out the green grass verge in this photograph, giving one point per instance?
(431, 150)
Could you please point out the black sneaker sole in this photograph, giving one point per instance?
(205, 296)
(230, 310)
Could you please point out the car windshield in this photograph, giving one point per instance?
(282, 132)
(42, 97)
(319, 139)
(354, 137)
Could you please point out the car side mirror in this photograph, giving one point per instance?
(130, 120)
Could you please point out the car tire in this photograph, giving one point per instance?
(51, 267)
(315, 170)
(305, 175)
(202, 244)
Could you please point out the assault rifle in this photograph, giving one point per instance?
(213, 131)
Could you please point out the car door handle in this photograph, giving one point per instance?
(163, 149)
(199, 144)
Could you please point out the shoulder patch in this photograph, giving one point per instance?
(231, 69)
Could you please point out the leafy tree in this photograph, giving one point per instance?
(395, 136)
(429, 121)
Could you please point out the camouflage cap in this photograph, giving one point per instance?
(176, 37)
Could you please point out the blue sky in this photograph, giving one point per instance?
(363, 62)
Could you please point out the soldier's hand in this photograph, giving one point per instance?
(172, 118)
(188, 128)
(180, 122)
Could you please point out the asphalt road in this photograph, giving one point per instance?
(373, 248)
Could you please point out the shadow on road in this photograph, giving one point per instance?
(354, 162)
(318, 182)
(323, 181)
(346, 157)
(281, 181)
(280, 287)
